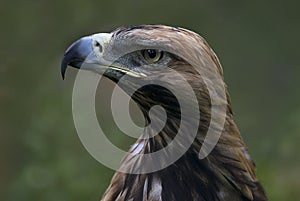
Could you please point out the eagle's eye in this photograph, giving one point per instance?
(152, 55)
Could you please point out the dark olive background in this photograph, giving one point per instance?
(41, 156)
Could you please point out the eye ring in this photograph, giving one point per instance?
(152, 55)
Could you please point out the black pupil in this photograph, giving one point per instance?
(151, 53)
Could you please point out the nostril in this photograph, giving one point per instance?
(97, 44)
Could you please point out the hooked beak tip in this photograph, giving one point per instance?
(75, 54)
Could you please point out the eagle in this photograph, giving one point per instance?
(161, 63)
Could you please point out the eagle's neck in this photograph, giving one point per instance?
(186, 179)
(227, 174)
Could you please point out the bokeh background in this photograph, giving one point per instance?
(41, 156)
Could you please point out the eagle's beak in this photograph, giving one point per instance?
(88, 53)
(77, 53)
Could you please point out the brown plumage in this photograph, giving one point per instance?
(228, 172)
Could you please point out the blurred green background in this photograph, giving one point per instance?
(41, 155)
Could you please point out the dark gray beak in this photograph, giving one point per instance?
(76, 54)
(88, 53)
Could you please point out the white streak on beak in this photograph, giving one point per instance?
(100, 43)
